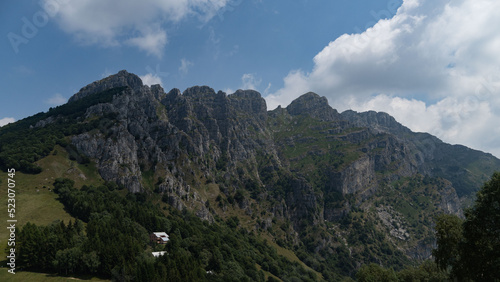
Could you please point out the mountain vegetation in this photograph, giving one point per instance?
(302, 193)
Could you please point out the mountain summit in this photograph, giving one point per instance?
(314, 105)
(121, 79)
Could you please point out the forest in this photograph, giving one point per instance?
(110, 239)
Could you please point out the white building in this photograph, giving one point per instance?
(159, 237)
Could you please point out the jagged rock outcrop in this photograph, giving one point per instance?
(122, 78)
(356, 177)
(450, 203)
(377, 121)
(305, 163)
(313, 105)
(430, 155)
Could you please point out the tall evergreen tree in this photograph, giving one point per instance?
(448, 237)
(480, 251)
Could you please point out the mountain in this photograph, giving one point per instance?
(336, 190)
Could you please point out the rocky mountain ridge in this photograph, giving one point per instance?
(310, 176)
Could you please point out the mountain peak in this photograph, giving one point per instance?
(379, 121)
(122, 78)
(314, 105)
(196, 91)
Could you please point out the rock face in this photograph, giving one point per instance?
(314, 105)
(305, 163)
(430, 155)
(357, 177)
(122, 78)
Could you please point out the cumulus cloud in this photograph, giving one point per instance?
(151, 79)
(151, 41)
(185, 65)
(249, 81)
(457, 121)
(6, 120)
(56, 100)
(433, 65)
(108, 23)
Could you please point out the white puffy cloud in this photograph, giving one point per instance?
(185, 65)
(109, 23)
(56, 100)
(249, 81)
(152, 41)
(151, 79)
(434, 65)
(6, 120)
(457, 121)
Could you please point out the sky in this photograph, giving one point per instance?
(432, 64)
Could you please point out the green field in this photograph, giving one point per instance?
(35, 200)
(39, 277)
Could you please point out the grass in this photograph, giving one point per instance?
(39, 277)
(148, 180)
(267, 274)
(35, 200)
(290, 255)
(37, 203)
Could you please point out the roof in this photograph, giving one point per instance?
(158, 254)
(162, 235)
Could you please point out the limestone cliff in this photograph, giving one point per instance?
(305, 164)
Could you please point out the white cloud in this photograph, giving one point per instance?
(185, 65)
(249, 81)
(56, 100)
(151, 41)
(266, 91)
(456, 121)
(228, 91)
(106, 73)
(6, 120)
(108, 23)
(151, 79)
(445, 53)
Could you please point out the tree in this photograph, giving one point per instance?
(29, 255)
(471, 249)
(68, 260)
(374, 272)
(427, 271)
(480, 251)
(91, 262)
(448, 237)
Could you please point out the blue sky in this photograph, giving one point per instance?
(434, 65)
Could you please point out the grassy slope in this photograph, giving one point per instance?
(37, 203)
(39, 277)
